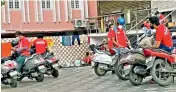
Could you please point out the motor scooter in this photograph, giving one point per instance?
(9, 72)
(103, 61)
(51, 64)
(33, 66)
(122, 67)
(159, 64)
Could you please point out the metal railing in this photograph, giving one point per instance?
(145, 18)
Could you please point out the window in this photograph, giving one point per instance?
(46, 4)
(17, 6)
(14, 4)
(75, 4)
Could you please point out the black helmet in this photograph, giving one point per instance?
(14, 43)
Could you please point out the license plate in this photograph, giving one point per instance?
(55, 65)
(34, 74)
(126, 67)
(13, 73)
(41, 67)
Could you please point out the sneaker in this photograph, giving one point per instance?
(20, 77)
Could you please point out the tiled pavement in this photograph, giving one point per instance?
(83, 79)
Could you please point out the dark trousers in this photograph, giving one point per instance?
(165, 48)
(20, 62)
(75, 37)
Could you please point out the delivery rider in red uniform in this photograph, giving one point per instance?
(163, 36)
(40, 44)
(23, 48)
(117, 37)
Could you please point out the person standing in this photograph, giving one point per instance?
(117, 37)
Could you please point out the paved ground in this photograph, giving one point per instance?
(83, 79)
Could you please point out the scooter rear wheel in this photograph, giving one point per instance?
(158, 76)
(99, 71)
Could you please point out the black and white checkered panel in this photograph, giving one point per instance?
(68, 54)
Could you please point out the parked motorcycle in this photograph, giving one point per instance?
(9, 72)
(51, 63)
(103, 61)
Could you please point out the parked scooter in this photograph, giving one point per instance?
(9, 72)
(51, 63)
(161, 66)
(158, 63)
(122, 66)
(33, 66)
(103, 61)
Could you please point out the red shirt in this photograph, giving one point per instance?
(24, 42)
(163, 34)
(87, 59)
(120, 36)
(40, 45)
(111, 34)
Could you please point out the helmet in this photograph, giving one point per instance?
(121, 21)
(14, 43)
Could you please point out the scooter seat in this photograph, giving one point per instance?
(30, 57)
(106, 52)
(160, 50)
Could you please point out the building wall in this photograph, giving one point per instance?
(174, 17)
(57, 18)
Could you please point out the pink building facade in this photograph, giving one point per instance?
(45, 15)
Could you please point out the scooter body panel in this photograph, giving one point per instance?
(103, 58)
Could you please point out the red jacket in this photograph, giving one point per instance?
(24, 46)
(40, 45)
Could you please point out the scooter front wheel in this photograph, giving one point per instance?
(135, 79)
(40, 77)
(13, 83)
(99, 71)
(161, 78)
(120, 72)
(55, 73)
